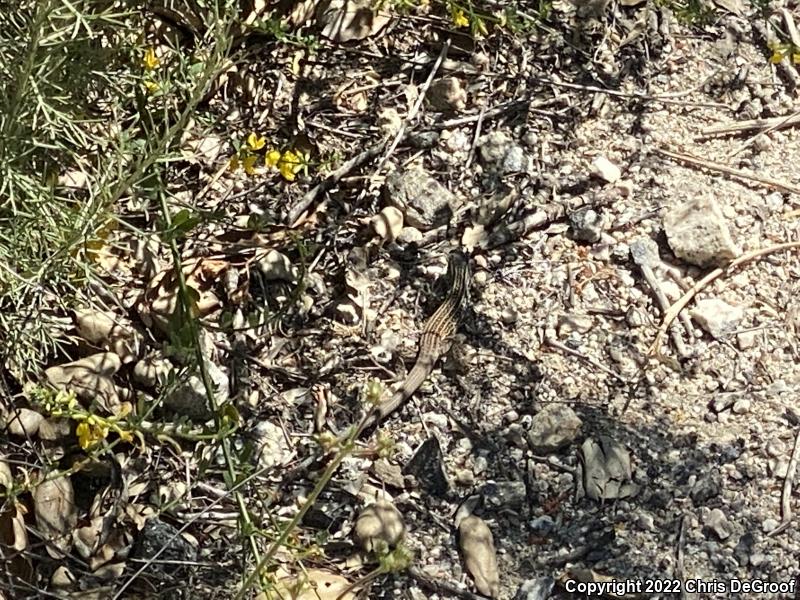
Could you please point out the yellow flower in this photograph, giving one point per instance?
(272, 157)
(152, 87)
(796, 58)
(460, 19)
(290, 165)
(777, 56)
(150, 61)
(255, 142)
(249, 163)
(233, 164)
(89, 433)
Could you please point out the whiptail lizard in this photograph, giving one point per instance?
(435, 341)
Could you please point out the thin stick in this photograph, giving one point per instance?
(676, 308)
(738, 173)
(414, 109)
(310, 197)
(786, 494)
(753, 138)
(741, 126)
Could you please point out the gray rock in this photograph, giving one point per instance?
(543, 525)
(718, 523)
(505, 494)
(423, 140)
(189, 397)
(698, 233)
(501, 155)
(717, 317)
(769, 525)
(535, 589)
(277, 267)
(741, 406)
(447, 94)
(553, 427)
(586, 224)
(425, 202)
(572, 322)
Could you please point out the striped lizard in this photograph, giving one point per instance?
(435, 341)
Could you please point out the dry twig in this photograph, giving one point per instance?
(786, 494)
(738, 173)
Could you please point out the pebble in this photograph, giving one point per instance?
(741, 406)
(605, 169)
(447, 94)
(553, 427)
(388, 223)
(718, 523)
(697, 232)
(587, 225)
(716, 316)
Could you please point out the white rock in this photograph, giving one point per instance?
(698, 233)
(716, 316)
(605, 169)
(388, 223)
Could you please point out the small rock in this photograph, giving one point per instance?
(553, 427)
(465, 477)
(741, 406)
(446, 94)
(704, 489)
(389, 473)
(573, 322)
(635, 317)
(500, 154)
(505, 494)
(24, 422)
(277, 267)
(698, 233)
(479, 465)
(757, 559)
(543, 525)
(535, 589)
(158, 537)
(717, 317)
(424, 201)
(718, 523)
(378, 526)
(388, 223)
(509, 316)
(605, 169)
(720, 403)
(410, 235)
(646, 521)
(746, 339)
(769, 525)
(586, 224)
(189, 396)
